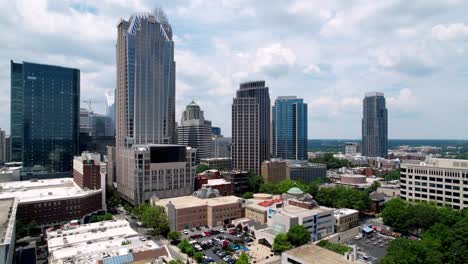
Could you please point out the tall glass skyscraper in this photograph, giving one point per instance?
(145, 95)
(374, 126)
(145, 110)
(251, 126)
(45, 103)
(289, 125)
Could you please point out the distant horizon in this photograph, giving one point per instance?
(351, 139)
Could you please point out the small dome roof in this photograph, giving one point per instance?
(295, 190)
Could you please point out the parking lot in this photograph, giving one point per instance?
(213, 241)
(371, 248)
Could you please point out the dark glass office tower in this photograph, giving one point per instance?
(45, 116)
(251, 126)
(374, 126)
(289, 128)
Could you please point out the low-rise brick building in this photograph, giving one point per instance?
(190, 211)
(52, 201)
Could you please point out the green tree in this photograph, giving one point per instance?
(173, 235)
(405, 251)
(298, 235)
(139, 209)
(255, 182)
(343, 197)
(178, 261)
(338, 248)
(198, 257)
(100, 218)
(247, 195)
(392, 175)
(285, 185)
(243, 259)
(374, 186)
(269, 187)
(396, 213)
(313, 188)
(281, 243)
(331, 162)
(113, 198)
(201, 168)
(184, 245)
(26, 228)
(156, 218)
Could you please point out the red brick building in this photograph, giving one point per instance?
(52, 201)
(213, 179)
(87, 170)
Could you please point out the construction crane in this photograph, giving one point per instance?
(90, 102)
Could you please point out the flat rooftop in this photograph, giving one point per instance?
(191, 201)
(7, 219)
(303, 212)
(310, 253)
(217, 182)
(91, 242)
(440, 163)
(344, 212)
(42, 190)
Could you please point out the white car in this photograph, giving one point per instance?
(221, 230)
(185, 232)
(142, 238)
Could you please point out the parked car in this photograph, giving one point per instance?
(185, 232)
(198, 228)
(175, 242)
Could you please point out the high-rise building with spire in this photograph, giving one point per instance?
(147, 163)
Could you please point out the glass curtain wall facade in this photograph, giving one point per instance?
(145, 95)
(251, 126)
(45, 103)
(289, 125)
(374, 126)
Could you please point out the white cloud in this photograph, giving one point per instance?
(274, 59)
(404, 101)
(332, 106)
(450, 31)
(351, 46)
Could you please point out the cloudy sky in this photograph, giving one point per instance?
(328, 52)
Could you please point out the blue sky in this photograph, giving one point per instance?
(328, 52)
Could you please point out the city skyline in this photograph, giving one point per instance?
(407, 59)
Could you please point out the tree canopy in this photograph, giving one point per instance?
(198, 257)
(331, 162)
(443, 232)
(247, 195)
(201, 168)
(343, 197)
(298, 235)
(392, 175)
(173, 235)
(281, 243)
(100, 218)
(243, 259)
(255, 182)
(153, 217)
